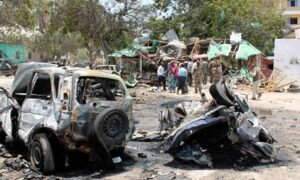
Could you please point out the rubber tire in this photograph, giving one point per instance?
(100, 122)
(220, 94)
(40, 144)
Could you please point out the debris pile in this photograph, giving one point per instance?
(228, 125)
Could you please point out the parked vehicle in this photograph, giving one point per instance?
(60, 111)
(6, 68)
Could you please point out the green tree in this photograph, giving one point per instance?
(16, 13)
(97, 29)
(258, 20)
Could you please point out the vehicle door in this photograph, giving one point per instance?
(37, 108)
(5, 105)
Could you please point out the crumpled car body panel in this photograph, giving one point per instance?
(60, 112)
(235, 127)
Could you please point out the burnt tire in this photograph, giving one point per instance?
(111, 126)
(41, 155)
(221, 94)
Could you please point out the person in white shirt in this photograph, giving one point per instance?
(189, 69)
(161, 76)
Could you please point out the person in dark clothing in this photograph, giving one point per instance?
(205, 71)
(161, 76)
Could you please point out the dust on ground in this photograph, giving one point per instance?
(278, 112)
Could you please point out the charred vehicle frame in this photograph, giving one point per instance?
(59, 111)
(225, 127)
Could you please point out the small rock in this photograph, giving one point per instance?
(293, 126)
(133, 94)
(2, 163)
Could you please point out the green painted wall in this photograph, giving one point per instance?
(13, 52)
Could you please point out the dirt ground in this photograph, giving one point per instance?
(279, 113)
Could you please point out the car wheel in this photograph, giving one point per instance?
(112, 126)
(41, 156)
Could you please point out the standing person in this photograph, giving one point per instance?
(182, 75)
(218, 73)
(212, 70)
(204, 66)
(173, 74)
(189, 70)
(197, 76)
(256, 75)
(161, 76)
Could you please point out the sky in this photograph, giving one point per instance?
(144, 2)
(147, 1)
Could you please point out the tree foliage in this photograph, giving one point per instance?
(16, 13)
(258, 20)
(97, 29)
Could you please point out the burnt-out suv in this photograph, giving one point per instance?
(60, 112)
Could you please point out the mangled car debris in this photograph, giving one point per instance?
(227, 125)
(60, 112)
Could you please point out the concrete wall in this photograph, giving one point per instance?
(14, 52)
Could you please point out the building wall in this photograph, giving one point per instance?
(13, 52)
(291, 9)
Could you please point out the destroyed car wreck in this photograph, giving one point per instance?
(227, 125)
(59, 112)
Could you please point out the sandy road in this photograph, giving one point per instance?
(279, 112)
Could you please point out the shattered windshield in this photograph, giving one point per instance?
(94, 89)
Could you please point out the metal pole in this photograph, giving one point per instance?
(141, 65)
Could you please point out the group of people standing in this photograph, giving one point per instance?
(191, 73)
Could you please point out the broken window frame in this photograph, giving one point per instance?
(32, 86)
(120, 86)
(57, 90)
